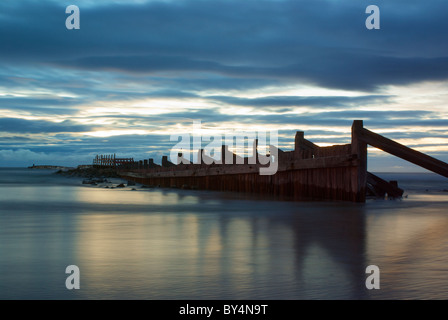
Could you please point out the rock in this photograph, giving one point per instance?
(121, 185)
(90, 173)
(92, 181)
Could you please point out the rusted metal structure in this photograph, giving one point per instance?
(308, 172)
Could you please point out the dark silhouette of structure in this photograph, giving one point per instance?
(308, 172)
(112, 161)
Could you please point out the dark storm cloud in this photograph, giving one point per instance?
(344, 70)
(343, 118)
(148, 64)
(13, 139)
(213, 117)
(38, 106)
(41, 111)
(6, 101)
(16, 125)
(217, 82)
(321, 42)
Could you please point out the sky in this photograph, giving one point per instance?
(137, 72)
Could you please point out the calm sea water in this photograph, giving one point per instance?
(180, 244)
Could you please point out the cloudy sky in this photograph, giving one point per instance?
(137, 72)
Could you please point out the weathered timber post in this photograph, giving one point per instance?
(205, 158)
(223, 154)
(181, 160)
(166, 163)
(303, 148)
(227, 156)
(359, 176)
(298, 141)
(200, 153)
(254, 158)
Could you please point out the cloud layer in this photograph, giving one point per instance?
(138, 71)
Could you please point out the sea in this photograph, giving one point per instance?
(172, 244)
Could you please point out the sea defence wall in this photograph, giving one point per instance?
(308, 172)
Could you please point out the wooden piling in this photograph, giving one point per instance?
(359, 174)
(404, 152)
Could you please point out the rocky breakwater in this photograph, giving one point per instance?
(101, 177)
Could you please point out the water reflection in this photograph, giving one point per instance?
(231, 249)
(180, 244)
(411, 249)
(131, 197)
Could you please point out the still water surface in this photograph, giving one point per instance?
(180, 244)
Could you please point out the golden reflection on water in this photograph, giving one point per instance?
(212, 255)
(151, 254)
(128, 196)
(411, 250)
(138, 248)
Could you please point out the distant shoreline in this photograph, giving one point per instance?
(89, 172)
(49, 167)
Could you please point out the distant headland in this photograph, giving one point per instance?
(49, 167)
